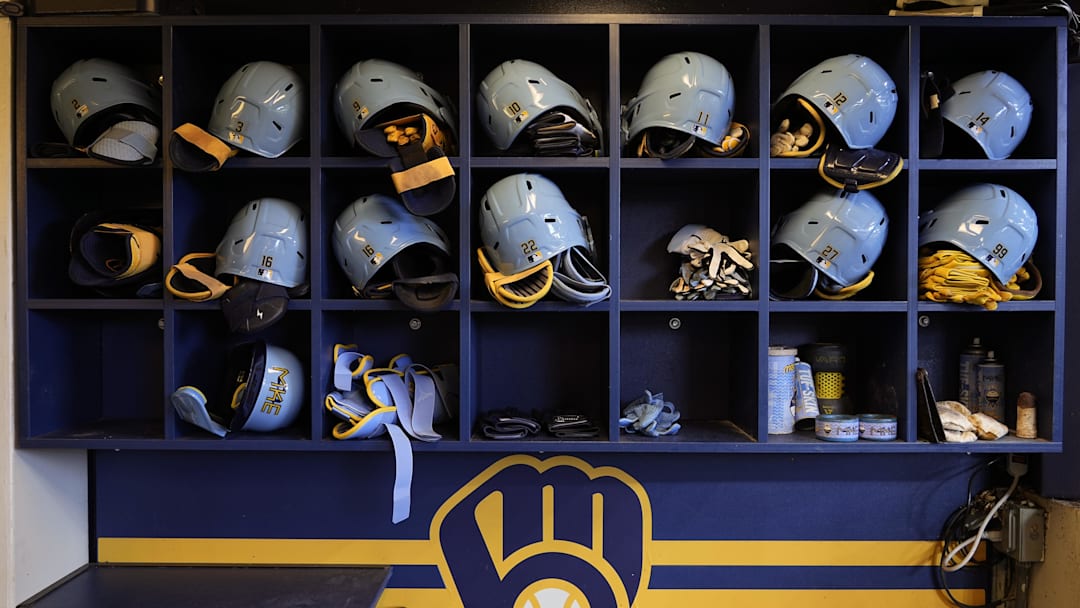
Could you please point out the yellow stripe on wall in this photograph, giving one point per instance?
(758, 598)
(267, 551)
(803, 598)
(424, 552)
(794, 553)
(659, 553)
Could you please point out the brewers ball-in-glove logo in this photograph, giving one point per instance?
(557, 533)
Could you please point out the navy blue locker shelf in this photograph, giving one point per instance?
(709, 357)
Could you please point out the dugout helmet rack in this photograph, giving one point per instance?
(96, 373)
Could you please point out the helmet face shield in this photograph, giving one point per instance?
(993, 108)
(990, 222)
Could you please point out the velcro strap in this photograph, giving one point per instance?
(508, 424)
(420, 413)
(577, 280)
(349, 366)
(128, 142)
(422, 174)
(571, 425)
(188, 269)
(380, 392)
(374, 424)
(556, 133)
(218, 150)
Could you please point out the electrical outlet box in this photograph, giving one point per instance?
(1023, 532)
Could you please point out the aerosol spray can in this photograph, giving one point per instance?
(990, 387)
(781, 390)
(806, 405)
(970, 357)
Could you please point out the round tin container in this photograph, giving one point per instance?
(837, 427)
(877, 427)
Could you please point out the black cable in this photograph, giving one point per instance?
(955, 531)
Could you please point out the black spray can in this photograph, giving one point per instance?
(832, 382)
(970, 358)
(990, 387)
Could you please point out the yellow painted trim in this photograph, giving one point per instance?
(427, 553)
(266, 551)
(806, 598)
(409, 598)
(794, 553)
(758, 598)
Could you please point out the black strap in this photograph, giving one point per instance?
(571, 425)
(934, 89)
(508, 424)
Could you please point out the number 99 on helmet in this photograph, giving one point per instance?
(990, 222)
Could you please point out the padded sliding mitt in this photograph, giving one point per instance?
(117, 252)
(389, 111)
